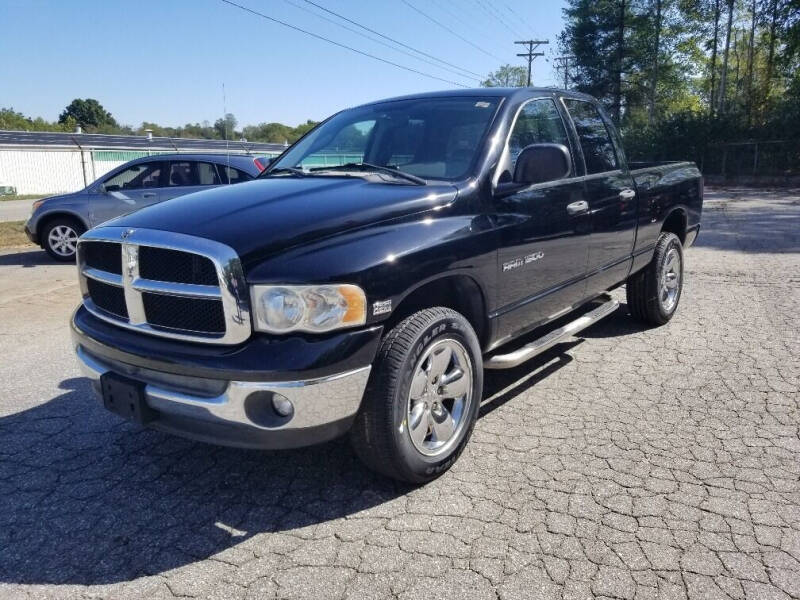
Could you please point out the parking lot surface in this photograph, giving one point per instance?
(630, 463)
(15, 210)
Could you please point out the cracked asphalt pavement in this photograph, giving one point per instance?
(629, 463)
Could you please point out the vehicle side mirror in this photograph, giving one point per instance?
(539, 163)
(105, 189)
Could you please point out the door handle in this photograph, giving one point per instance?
(149, 195)
(627, 194)
(577, 208)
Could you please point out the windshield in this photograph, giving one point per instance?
(431, 138)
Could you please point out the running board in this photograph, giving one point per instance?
(517, 357)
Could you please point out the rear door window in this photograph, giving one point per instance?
(595, 140)
(207, 174)
(182, 173)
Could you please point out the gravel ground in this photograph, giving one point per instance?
(631, 463)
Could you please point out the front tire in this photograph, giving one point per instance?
(654, 292)
(423, 397)
(60, 238)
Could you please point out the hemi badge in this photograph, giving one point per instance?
(381, 307)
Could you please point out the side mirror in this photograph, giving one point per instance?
(539, 163)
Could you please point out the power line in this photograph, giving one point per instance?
(454, 15)
(519, 16)
(372, 39)
(446, 28)
(340, 45)
(493, 12)
(530, 54)
(386, 37)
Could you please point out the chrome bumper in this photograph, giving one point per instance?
(241, 413)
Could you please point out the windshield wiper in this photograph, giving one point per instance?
(365, 166)
(292, 170)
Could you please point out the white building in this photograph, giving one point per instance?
(49, 163)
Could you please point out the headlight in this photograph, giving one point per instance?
(315, 308)
(36, 205)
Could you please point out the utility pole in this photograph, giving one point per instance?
(530, 54)
(562, 62)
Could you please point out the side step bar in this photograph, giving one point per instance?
(517, 357)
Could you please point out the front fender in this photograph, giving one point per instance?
(392, 260)
(76, 207)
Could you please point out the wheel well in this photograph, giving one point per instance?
(459, 292)
(676, 223)
(50, 218)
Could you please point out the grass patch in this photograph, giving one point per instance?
(22, 197)
(12, 234)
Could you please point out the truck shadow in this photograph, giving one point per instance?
(28, 258)
(504, 385)
(615, 325)
(89, 499)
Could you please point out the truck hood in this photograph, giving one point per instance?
(260, 218)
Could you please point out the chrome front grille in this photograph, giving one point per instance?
(164, 284)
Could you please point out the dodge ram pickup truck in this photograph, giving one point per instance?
(364, 281)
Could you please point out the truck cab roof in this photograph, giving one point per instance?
(494, 92)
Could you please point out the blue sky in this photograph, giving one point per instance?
(166, 60)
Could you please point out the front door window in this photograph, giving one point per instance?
(142, 175)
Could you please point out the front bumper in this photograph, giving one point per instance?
(218, 406)
(31, 233)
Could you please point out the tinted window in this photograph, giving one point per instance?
(182, 174)
(207, 174)
(436, 138)
(598, 151)
(231, 175)
(537, 123)
(143, 175)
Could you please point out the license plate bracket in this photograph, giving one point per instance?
(126, 398)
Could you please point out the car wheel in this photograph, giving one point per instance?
(423, 397)
(60, 238)
(654, 292)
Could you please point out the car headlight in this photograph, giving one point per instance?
(314, 308)
(36, 205)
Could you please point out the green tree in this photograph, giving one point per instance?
(507, 76)
(16, 121)
(277, 133)
(88, 113)
(680, 75)
(226, 127)
(596, 33)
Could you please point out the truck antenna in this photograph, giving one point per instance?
(225, 124)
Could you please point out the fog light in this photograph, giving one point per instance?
(282, 405)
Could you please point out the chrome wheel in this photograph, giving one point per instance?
(669, 287)
(440, 397)
(63, 240)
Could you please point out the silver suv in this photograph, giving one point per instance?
(58, 221)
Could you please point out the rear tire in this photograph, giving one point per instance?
(654, 292)
(60, 238)
(422, 399)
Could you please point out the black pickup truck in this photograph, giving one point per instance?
(367, 278)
